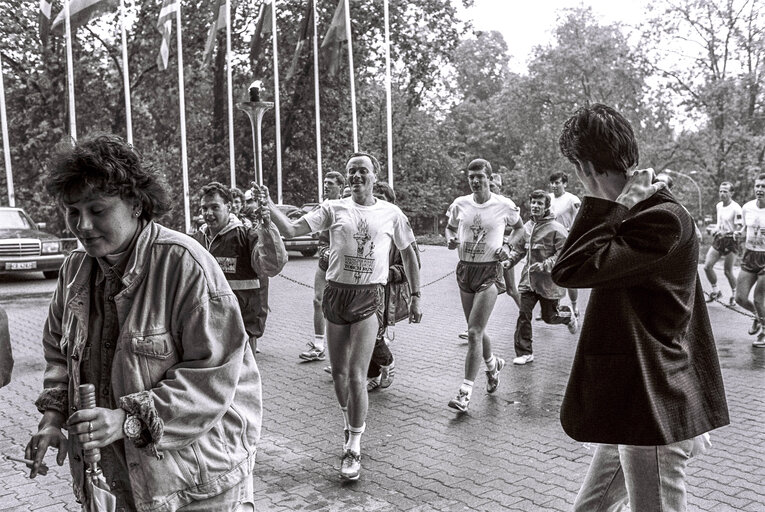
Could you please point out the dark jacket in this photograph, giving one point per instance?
(646, 370)
(397, 293)
(541, 242)
(6, 354)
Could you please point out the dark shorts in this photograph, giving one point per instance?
(725, 244)
(345, 304)
(753, 262)
(477, 277)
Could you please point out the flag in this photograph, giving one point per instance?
(262, 28)
(303, 35)
(335, 37)
(45, 11)
(80, 11)
(165, 27)
(219, 23)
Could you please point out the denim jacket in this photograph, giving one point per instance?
(180, 332)
(541, 242)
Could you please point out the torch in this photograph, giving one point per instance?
(255, 108)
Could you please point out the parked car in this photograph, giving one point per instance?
(25, 247)
(307, 245)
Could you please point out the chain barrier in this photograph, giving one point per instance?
(731, 307)
(311, 286)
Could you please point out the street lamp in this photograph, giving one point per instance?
(698, 188)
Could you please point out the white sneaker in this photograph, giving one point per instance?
(573, 325)
(760, 341)
(387, 373)
(463, 335)
(526, 358)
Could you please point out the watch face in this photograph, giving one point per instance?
(132, 427)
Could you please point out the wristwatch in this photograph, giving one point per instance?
(418, 293)
(132, 427)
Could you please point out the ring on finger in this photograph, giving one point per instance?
(90, 426)
(90, 436)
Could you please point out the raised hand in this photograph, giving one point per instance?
(639, 187)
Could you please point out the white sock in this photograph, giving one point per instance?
(714, 288)
(318, 341)
(491, 363)
(733, 292)
(467, 386)
(354, 441)
(345, 417)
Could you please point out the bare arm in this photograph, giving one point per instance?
(451, 237)
(412, 269)
(288, 228)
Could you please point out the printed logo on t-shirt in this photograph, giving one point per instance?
(363, 262)
(476, 246)
(228, 265)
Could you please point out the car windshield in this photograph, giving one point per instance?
(14, 219)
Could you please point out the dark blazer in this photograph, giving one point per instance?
(646, 370)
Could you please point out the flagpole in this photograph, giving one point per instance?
(70, 72)
(6, 141)
(126, 75)
(182, 108)
(319, 173)
(232, 165)
(276, 107)
(353, 79)
(389, 108)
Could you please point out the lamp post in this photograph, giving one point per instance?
(698, 188)
(255, 110)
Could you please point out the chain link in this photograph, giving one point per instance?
(731, 307)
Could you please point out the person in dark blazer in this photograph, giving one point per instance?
(645, 382)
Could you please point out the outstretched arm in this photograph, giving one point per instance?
(412, 269)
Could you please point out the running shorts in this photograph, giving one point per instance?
(725, 244)
(477, 277)
(753, 262)
(345, 304)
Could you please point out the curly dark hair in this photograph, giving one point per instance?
(600, 135)
(235, 192)
(380, 187)
(216, 187)
(103, 163)
(562, 176)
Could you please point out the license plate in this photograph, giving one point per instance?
(22, 265)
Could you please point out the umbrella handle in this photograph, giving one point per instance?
(88, 401)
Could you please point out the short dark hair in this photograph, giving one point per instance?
(562, 176)
(103, 163)
(375, 163)
(236, 193)
(539, 194)
(339, 178)
(760, 177)
(479, 164)
(380, 187)
(727, 184)
(600, 135)
(215, 187)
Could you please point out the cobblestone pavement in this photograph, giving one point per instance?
(508, 453)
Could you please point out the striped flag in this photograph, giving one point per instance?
(45, 11)
(262, 28)
(80, 11)
(165, 27)
(219, 23)
(335, 37)
(303, 35)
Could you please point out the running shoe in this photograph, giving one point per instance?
(387, 374)
(760, 341)
(350, 467)
(373, 383)
(463, 335)
(313, 353)
(755, 328)
(573, 325)
(461, 401)
(732, 301)
(492, 377)
(713, 296)
(525, 358)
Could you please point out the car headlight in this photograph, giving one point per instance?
(51, 247)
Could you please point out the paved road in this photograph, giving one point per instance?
(509, 453)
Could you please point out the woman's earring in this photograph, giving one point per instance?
(138, 213)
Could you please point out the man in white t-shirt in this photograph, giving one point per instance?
(477, 226)
(361, 231)
(752, 272)
(724, 245)
(564, 207)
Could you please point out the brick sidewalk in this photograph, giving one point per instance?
(508, 453)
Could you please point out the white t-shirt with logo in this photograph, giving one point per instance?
(360, 238)
(565, 208)
(480, 227)
(754, 220)
(728, 217)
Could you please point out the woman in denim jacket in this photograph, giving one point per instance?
(144, 314)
